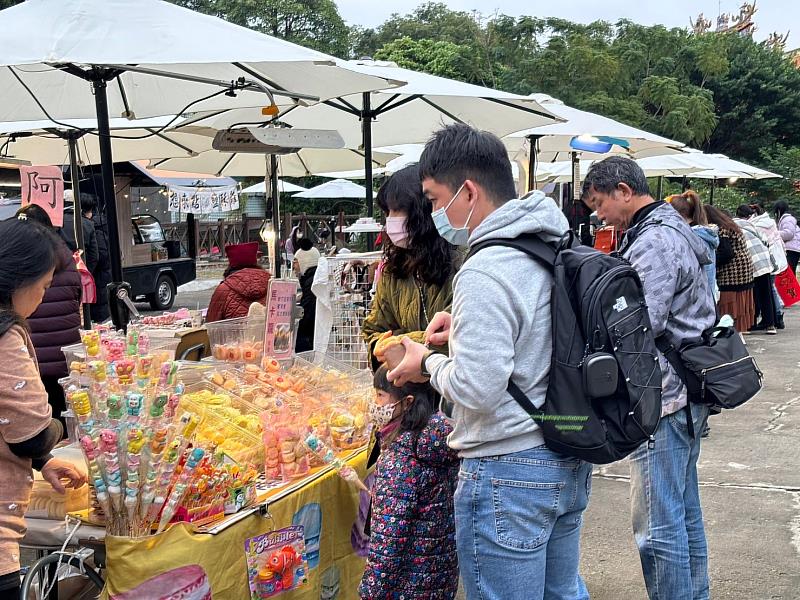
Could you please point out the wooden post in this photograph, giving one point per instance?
(221, 236)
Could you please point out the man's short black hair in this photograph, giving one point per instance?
(88, 202)
(305, 244)
(604, 176)
(459, 152)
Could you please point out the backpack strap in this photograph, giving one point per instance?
(529, 243)
(544, 254)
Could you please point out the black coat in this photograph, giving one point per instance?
(91, 251)
(308, 302)
(57, 320)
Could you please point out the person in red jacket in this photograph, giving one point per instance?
(244, 283)
(57, 320)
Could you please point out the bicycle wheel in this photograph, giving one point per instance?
(41, 566)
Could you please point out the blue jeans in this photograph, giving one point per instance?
(666, 513)
(518, 525)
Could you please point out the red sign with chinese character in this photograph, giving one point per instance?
(44, 186)
(279, 334)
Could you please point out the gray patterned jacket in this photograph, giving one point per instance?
(669, 258)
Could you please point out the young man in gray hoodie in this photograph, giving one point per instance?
(670, 259)
(518, 505)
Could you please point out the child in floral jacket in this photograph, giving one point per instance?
(412, 549)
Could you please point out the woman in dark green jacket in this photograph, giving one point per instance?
(419, 265)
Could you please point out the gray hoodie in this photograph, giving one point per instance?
(501, 329)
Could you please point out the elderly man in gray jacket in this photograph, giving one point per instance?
(665, 498)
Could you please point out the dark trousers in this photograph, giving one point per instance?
(55, 396)
(793, 257)
(764, 301)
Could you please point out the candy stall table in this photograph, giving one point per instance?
(211, 563)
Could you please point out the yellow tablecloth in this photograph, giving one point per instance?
(327, 507)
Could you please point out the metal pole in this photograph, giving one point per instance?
(107, 170)
(532, 161)
(276, 207)
(660, 189)
(77, 217)
(713, 185)
(366, 130)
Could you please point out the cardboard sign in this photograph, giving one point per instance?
(279, 334)
(44, 186)
(787, 286)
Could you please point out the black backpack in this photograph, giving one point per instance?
(604, 395)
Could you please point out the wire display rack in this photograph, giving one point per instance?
(350, 281)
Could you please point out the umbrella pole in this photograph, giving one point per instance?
(660, 188)
(366, 131)
(77, 221)
(533, 160)
(713, 185)
(276, 207)
(107, 170)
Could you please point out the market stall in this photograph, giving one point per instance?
(237, 476)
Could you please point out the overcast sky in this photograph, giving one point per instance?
(772, 15)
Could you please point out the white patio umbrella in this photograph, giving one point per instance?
(407, 114)
(144, 58)
(561, 171)
(594, 136)
(46, 142)
(283, 186)
(307, 161)
(362, 225)
(337, 188)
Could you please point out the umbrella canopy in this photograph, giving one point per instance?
(337, 188)
(362, 225)
(46, 142)
(699, 165)
(561, 171)
(410, 113)
(48, 42)
(283, 186)
(146, 58)
(554, 141)
(307, 161)
(406, 114)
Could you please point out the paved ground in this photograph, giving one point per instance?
(750, 490)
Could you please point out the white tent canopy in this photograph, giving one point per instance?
(554, 139)
(719, 166)
(337, 188)
(151, 34)
(283, 187)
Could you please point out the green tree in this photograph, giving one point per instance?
(315, 24)
(438, 58)
(757, 101)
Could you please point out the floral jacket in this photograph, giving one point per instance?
(412, 549)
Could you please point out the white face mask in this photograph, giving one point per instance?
(381, 416)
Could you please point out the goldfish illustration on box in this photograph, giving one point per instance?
(276, 562)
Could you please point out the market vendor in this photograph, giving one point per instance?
(244, 282)
(27, 430)
(417, 278)
(306, 259)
